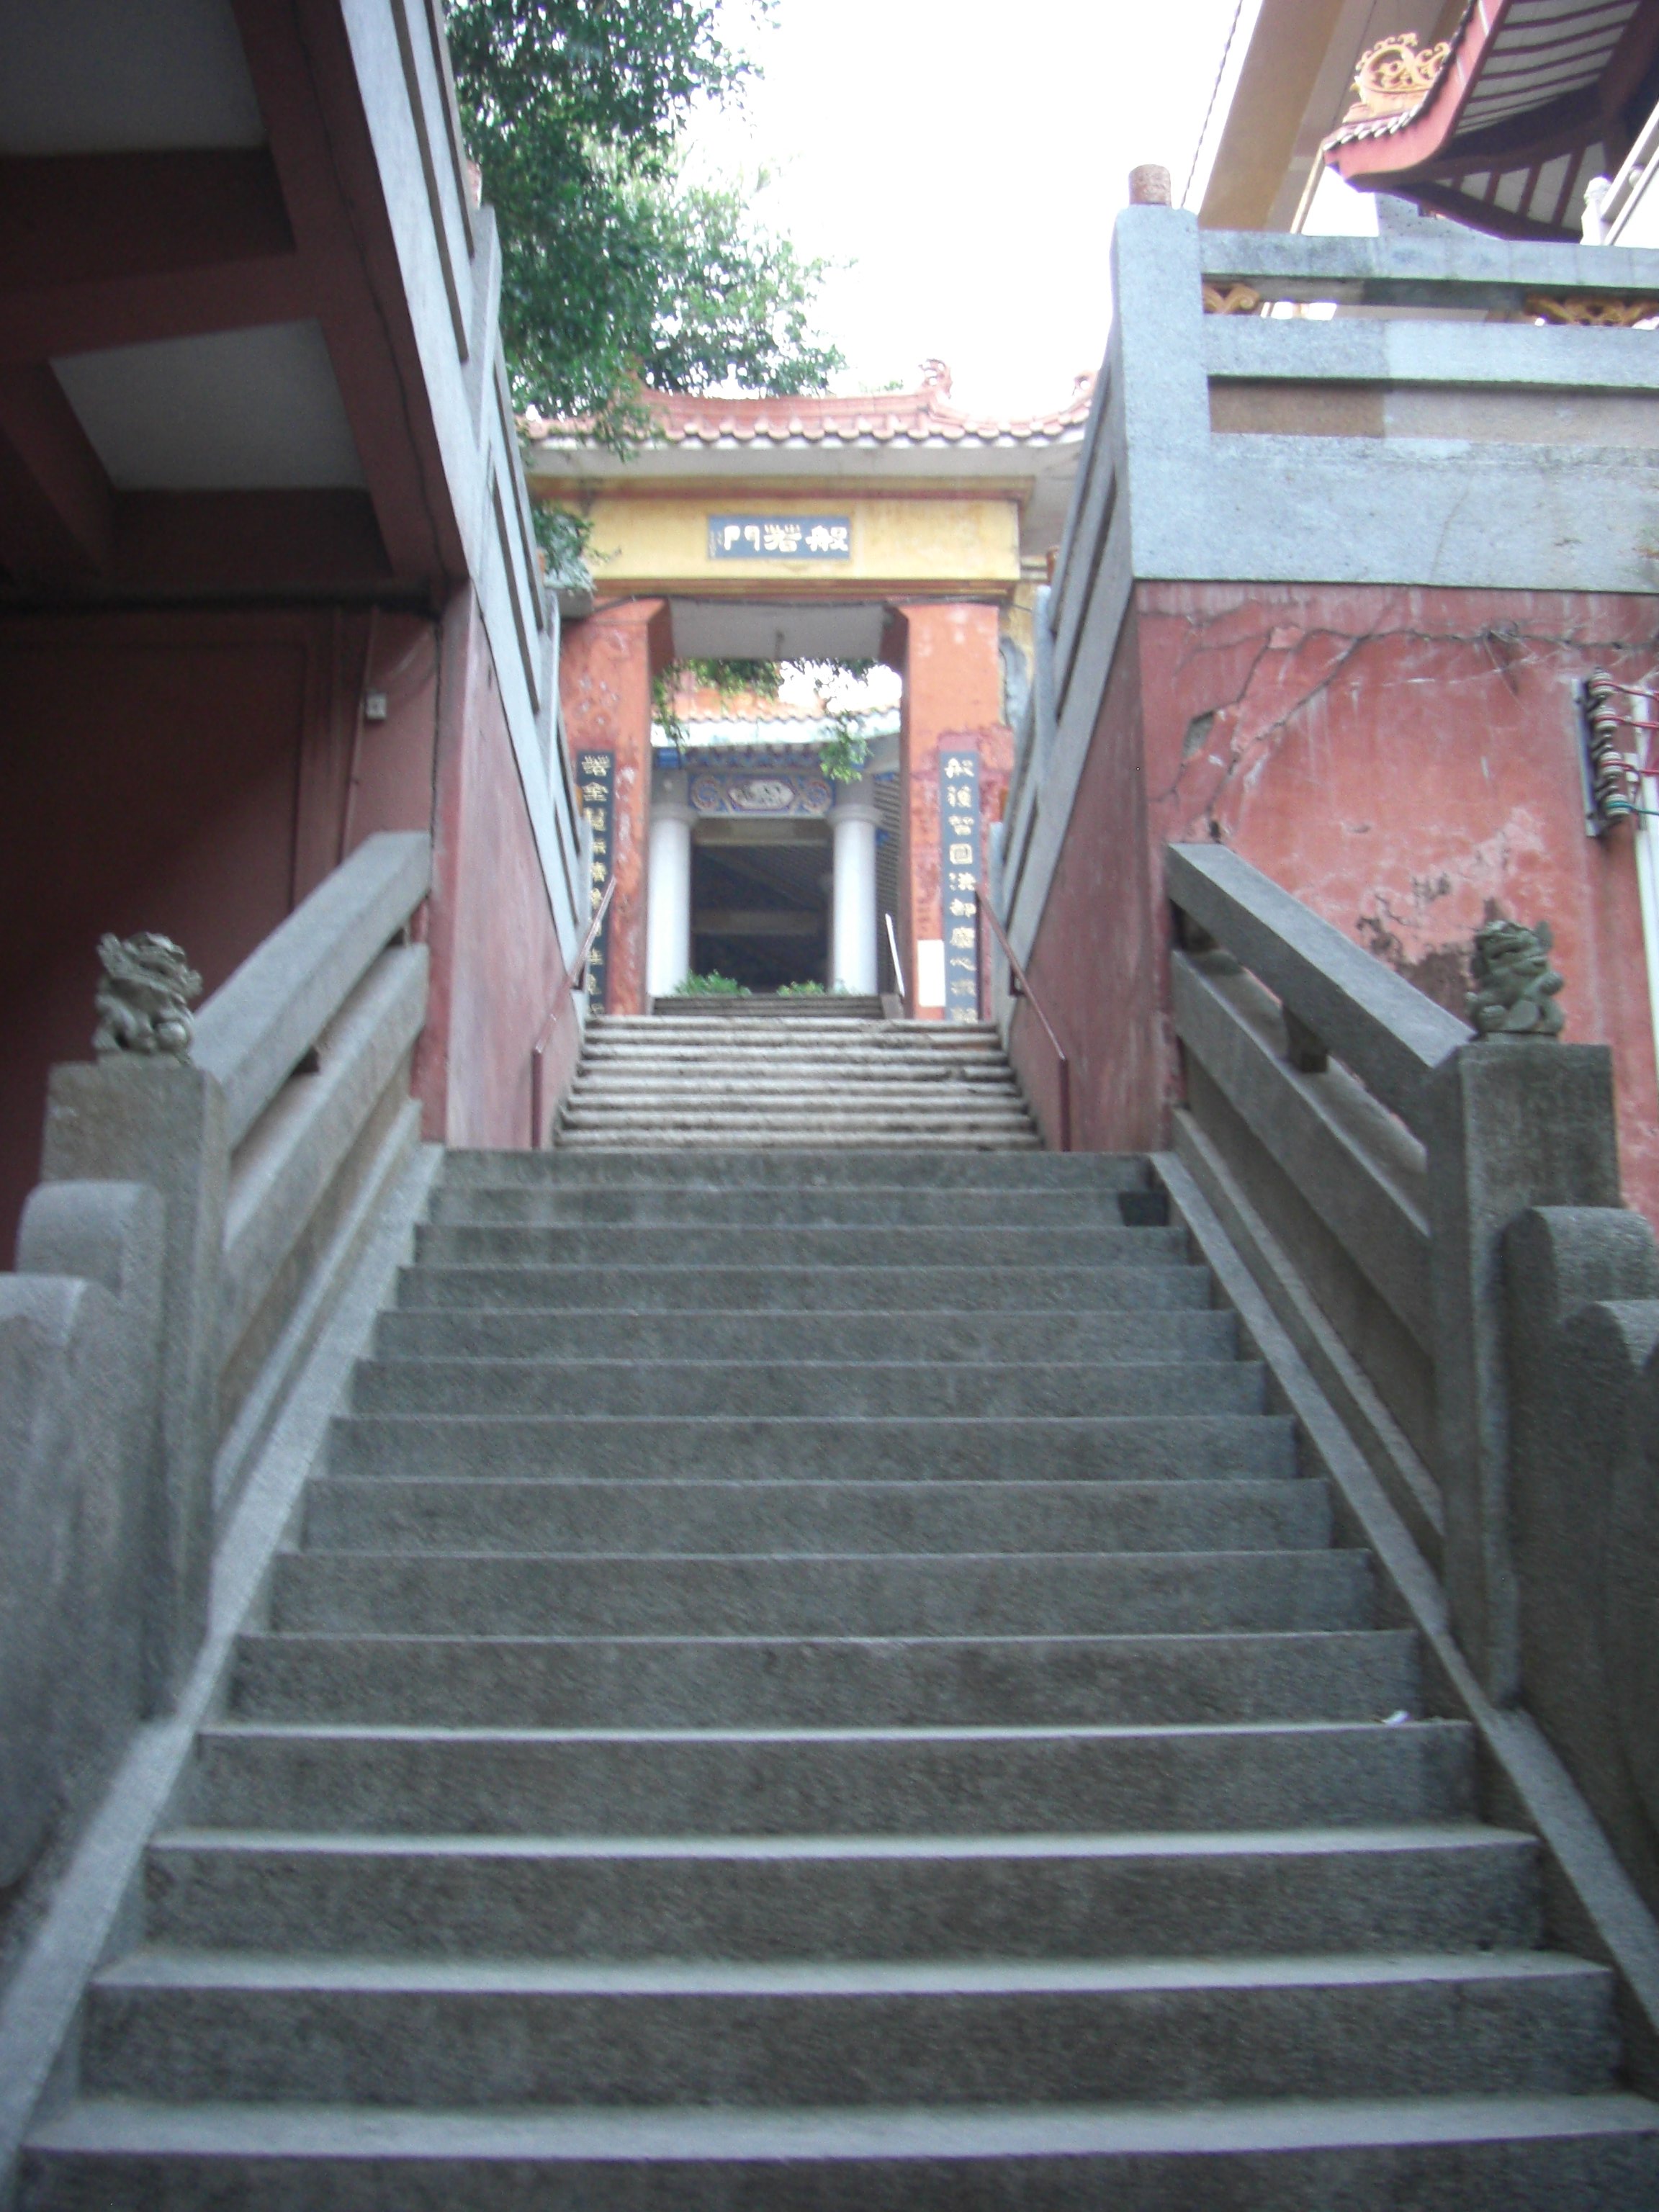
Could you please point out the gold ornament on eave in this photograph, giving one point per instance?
(1392, 77)
(1230, 300)
(1601, 311)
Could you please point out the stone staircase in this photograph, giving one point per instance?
(792, 1071)
(814, 1681)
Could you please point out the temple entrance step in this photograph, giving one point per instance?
(727, 1075)
(769, 1006)
(817, 1679)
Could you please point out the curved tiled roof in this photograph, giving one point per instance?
(747, 719)
(1516, 124)
(701, 703)
(922, 417)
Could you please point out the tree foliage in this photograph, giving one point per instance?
(616, 272)
(842, 754)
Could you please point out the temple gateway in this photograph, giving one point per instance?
(891, 529)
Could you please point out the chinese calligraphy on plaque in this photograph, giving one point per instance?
(958, 879)
(780, 538)
(596, 776)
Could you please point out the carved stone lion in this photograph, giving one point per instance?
(1515, 986)
(143, 1001)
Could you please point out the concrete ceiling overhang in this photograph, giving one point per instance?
(106, 77)
(747, 630)
(1535, 99)
(231, 411)
(210, 375)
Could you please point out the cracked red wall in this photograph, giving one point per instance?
(1403, 760)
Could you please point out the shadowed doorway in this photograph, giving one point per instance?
(760, 901)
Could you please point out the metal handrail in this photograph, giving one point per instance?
(892, 946)
(575, 973)
(1019, 987)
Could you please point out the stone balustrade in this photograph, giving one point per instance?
(195, 1222)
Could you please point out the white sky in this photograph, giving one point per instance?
(968, 160)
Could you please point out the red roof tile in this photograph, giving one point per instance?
(919, 418)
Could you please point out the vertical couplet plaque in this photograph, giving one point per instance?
(958, 879)
(596, 787)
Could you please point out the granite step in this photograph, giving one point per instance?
(761, 1205)
(1452, 2154)
(969, 1130)
(858, 1781)
(694, 1077)
(193, 2026)
(1178, 1680)
(802, 1168)
(637, 1289)
(759, 1389)
(764, 1007)
(1445, 1888)
(715, 1245)
(941, 1594)
(846, 1334)
(477, 1514)
(823, 1448)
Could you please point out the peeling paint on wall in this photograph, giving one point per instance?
(1405, 761)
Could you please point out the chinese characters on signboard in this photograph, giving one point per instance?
(958, 877)
(780, 538)
(595, 774)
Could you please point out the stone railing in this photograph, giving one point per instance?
(1368, 1155)
(1582, 1285)
(194, 1224)
(1435, 1223)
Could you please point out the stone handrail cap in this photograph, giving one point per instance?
(258, 1026)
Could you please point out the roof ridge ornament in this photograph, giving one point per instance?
(1393, 76)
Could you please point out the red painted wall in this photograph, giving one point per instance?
(181, 772)
(952, 696)
(1404, 761)
(1098, 964)
(496, 964)
(200, 774)
(606, 666)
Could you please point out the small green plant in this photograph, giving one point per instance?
(801, 991)
(841, 757)
(730, 679)
(567, 540)
(712, 986)
(842, 754)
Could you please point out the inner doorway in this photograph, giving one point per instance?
(760, 901)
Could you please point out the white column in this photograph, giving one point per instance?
(668, 900)
(853, 931)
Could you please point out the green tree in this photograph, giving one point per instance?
(616, 273)
(735, 300)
